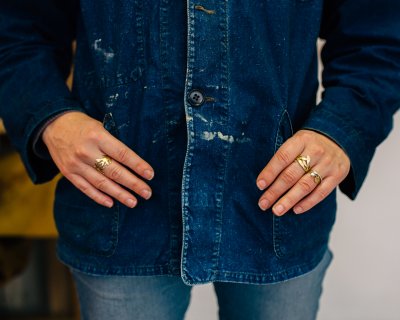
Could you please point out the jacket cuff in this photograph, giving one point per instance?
(35, 156)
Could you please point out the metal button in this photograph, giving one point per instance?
(196, 98)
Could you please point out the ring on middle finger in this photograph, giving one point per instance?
(317, 177)
(304, 162)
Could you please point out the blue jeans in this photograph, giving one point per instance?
(167, 297)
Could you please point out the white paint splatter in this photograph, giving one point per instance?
(156, 136)
(208, 136)
(123, 125)
(108, 55)
(111, 100)
(230, 139)
(197, 115)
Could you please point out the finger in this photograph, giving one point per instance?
(109, 187)
(121, 153)
(285, 155)
(90, 191)
(284, 182)
(319, 194)
(124, 177)
(305, 186)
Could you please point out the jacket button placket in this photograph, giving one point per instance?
(196, 98)
(205, 162)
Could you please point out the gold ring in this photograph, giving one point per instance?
(304, 162)
(317, 177)
(101, 163)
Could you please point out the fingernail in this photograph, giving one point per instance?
(131, 203)
(298, 210)
(261, 184)
(278, 210)
(146, 194)
(148, 174)
(263, 204)
(108, 203)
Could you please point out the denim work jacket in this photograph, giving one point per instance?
(206, 91)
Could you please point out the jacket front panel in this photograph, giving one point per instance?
(206, 93)
(203, 220)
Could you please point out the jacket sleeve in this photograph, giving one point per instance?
(361, 77)
(35, 59)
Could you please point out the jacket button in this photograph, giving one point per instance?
(195, 98)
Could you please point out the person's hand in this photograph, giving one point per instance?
(77, 142)
(304, 171)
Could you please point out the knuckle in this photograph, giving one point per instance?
(337, 172)
(72, 163)
(100, 183)
(343, 169)
(283, 156)
(123, 155)
(75, 164)
(271, 194)
(306, 185)
(84, 189)
(289, 177)
(121, 196)
(304, 135)
(135, 185)
(81, 152)
(69, 162)
(318, 151)
(115, 173)
(288, 201)
(93, 135)
(69, 167)
(97, 198)
(321, 194)
(78, 183)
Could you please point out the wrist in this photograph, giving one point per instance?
(45, 132)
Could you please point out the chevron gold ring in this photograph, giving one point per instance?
(101, 163)
(304, 162)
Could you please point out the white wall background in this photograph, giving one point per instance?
(363, 281)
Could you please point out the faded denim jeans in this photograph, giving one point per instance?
(167, 297)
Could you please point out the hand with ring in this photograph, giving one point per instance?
(303, 172)
(95, 162)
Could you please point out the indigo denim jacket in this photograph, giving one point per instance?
(205, 91)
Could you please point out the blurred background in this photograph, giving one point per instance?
(33, 284)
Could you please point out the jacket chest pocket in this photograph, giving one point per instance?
(114, 40)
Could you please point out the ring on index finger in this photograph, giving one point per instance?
(304, 162)
(101, 163)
